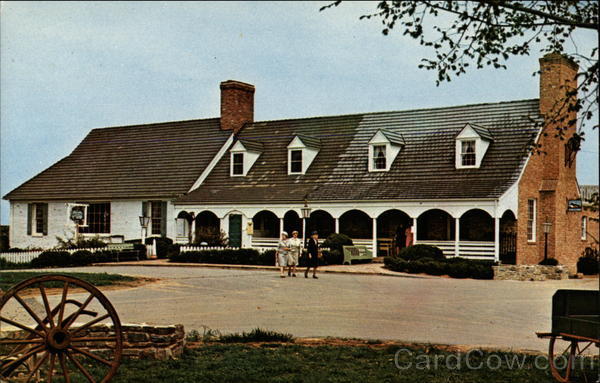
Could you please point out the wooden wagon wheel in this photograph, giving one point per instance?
(58, 332)
(562, 355)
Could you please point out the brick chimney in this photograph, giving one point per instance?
(557, 78)
(237, 105)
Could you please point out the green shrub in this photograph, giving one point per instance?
(256, 335)
(415, 252)
(7, 265)
(81, 243)
(453, 267)
(589, 263)
(82, 258)
(163, 245)
(337, 242)
(52, 258)
(549, 262)
(226, 256)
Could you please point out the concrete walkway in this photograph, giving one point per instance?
(504, 314)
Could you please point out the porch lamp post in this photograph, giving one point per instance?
(305, 215)
(144, 222)
(547, 228)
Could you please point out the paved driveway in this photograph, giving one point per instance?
(436, 310)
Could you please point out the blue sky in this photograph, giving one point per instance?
(69, 67)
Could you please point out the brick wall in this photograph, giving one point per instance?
(237, 105)
(547, 179)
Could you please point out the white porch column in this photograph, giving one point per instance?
(337, 225)
(496, 239)
(280, 227)
(374, 237)
(193, 230)
(414, 230)
(457, 237)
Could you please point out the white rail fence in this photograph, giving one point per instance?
(466, 249)
(28, 256)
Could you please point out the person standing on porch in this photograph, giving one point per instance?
(312, 247)
(408, 233)
(282, 253)
(295, 245)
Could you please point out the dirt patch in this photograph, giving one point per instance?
(344, 342)
(138, 282)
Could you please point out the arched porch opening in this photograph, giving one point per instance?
(265, 224)
(183, 227)
(322, 222)
(435, 225)
(292, 222)
(508, 238)
(208, 229)
(357, 225)
(477, 225)
(391, 231)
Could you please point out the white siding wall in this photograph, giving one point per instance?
(124, 221)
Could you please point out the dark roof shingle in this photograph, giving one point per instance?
(142, 161)
(424, 169)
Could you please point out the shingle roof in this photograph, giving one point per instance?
(253, 146)
(424, 169)
(147, 161)
(482, 131)
(308, 141)
(394, 137)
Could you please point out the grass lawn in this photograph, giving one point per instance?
(8, 279)
(272, 362)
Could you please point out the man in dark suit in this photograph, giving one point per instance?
(312, 247)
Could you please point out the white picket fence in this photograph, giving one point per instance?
(185, 249)
(28, 256)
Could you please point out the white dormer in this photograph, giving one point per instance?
(244, 154)
(302, 150)
(384, 147)
(471, 145)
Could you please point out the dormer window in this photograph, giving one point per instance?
(237, 164)
(302, 150)
(244, 154)
(379, 159)
(296, 161)
(471, 145)
(384, 147)
(468, 153)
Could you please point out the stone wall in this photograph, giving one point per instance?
(530, 272)
(140, 341)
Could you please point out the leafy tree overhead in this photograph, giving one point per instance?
(467, 34)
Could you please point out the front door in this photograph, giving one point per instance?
(235, 230)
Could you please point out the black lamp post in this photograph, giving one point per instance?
(547, 227)
(144, 222)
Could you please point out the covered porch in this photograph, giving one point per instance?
(480, 232)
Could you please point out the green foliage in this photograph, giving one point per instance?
(337, 242)
(589, 263)
(292, 362)
(415, 252)
(453, 267)
(9, 279)
(256, 335)
(549, 262)
(227, 256)
(62, 258)
(213, 236)
(7, 265)
(164, 246)
(81, 243)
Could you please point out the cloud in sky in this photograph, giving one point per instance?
(70, 67)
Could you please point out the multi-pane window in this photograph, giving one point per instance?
(531, 218)
(238, 164)
(379, 159)
(98, 218)
(39, 219)
(156, 217)
(467, 153)
(584, 228)
(296, 161)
